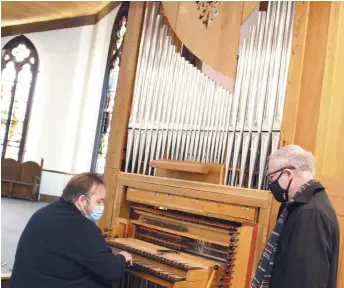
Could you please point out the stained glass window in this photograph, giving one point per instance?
(109, 91)
(19, 66)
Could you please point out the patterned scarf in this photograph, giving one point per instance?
(263, 273)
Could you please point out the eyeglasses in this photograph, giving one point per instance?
(268, 174)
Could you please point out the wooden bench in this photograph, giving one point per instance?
(20, 180)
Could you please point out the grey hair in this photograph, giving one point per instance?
(293, 155)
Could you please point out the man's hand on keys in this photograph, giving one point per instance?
(128, 258)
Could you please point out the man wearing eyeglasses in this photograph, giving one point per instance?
(303, 249)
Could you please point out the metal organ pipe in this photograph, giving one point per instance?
(180, 113)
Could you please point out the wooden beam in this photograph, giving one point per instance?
(106, 10)
(306, 69)
(237, 195)
(122, 106)
(59, 23)
(330, 138)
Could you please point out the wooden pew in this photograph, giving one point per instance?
(20, 180)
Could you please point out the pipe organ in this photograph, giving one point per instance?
(176, 125)
(179, 113)
(210, 237)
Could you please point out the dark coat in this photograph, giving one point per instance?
(308, 250)
(60, 247)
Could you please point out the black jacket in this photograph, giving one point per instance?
(60, 247)
(308, 250)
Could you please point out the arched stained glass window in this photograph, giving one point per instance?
(19, 67)
(109, 89)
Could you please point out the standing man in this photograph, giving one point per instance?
(61, 246)
(303, 249)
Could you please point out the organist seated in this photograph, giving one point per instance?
(61, 246)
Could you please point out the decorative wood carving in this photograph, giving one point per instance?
(208, 11)
(215, 45)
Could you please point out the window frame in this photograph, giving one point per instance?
(123, 10)
(6, 50)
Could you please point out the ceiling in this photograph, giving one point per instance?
(24, 12)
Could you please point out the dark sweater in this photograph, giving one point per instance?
(60, 247)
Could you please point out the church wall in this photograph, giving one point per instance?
(66, 102)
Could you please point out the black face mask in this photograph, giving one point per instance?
(280, 194)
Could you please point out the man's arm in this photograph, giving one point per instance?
(310, 249)
(92, 252)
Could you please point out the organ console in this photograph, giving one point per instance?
(185, 171)
(181, 232)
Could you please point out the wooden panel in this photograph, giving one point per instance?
(244, 249)
(234, 195)
(214, 177)
(330, 138)
(216, 45)
(171, 12)
(300, 119)
(186, 166)
(110, 179)
(47, 198)
(291, 103)
(191, 205)
(191, 171)
(249, 7)
(55, 24)
(10, 169)
(30, 170)
(262, 234)
(106, 10)
(24, 191)
(23, 12)
(340, 282)
(314, 60)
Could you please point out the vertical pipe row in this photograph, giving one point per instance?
(179, 113)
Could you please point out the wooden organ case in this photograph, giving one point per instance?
(181, 231)
(185, 168)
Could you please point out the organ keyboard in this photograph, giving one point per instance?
(166, 265)
(188, 234)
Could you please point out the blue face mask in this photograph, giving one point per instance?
(96, 214)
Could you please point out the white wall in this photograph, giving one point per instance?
(90, 104)
(66, 102)
(53, 183)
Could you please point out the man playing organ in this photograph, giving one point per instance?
(61, 246)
